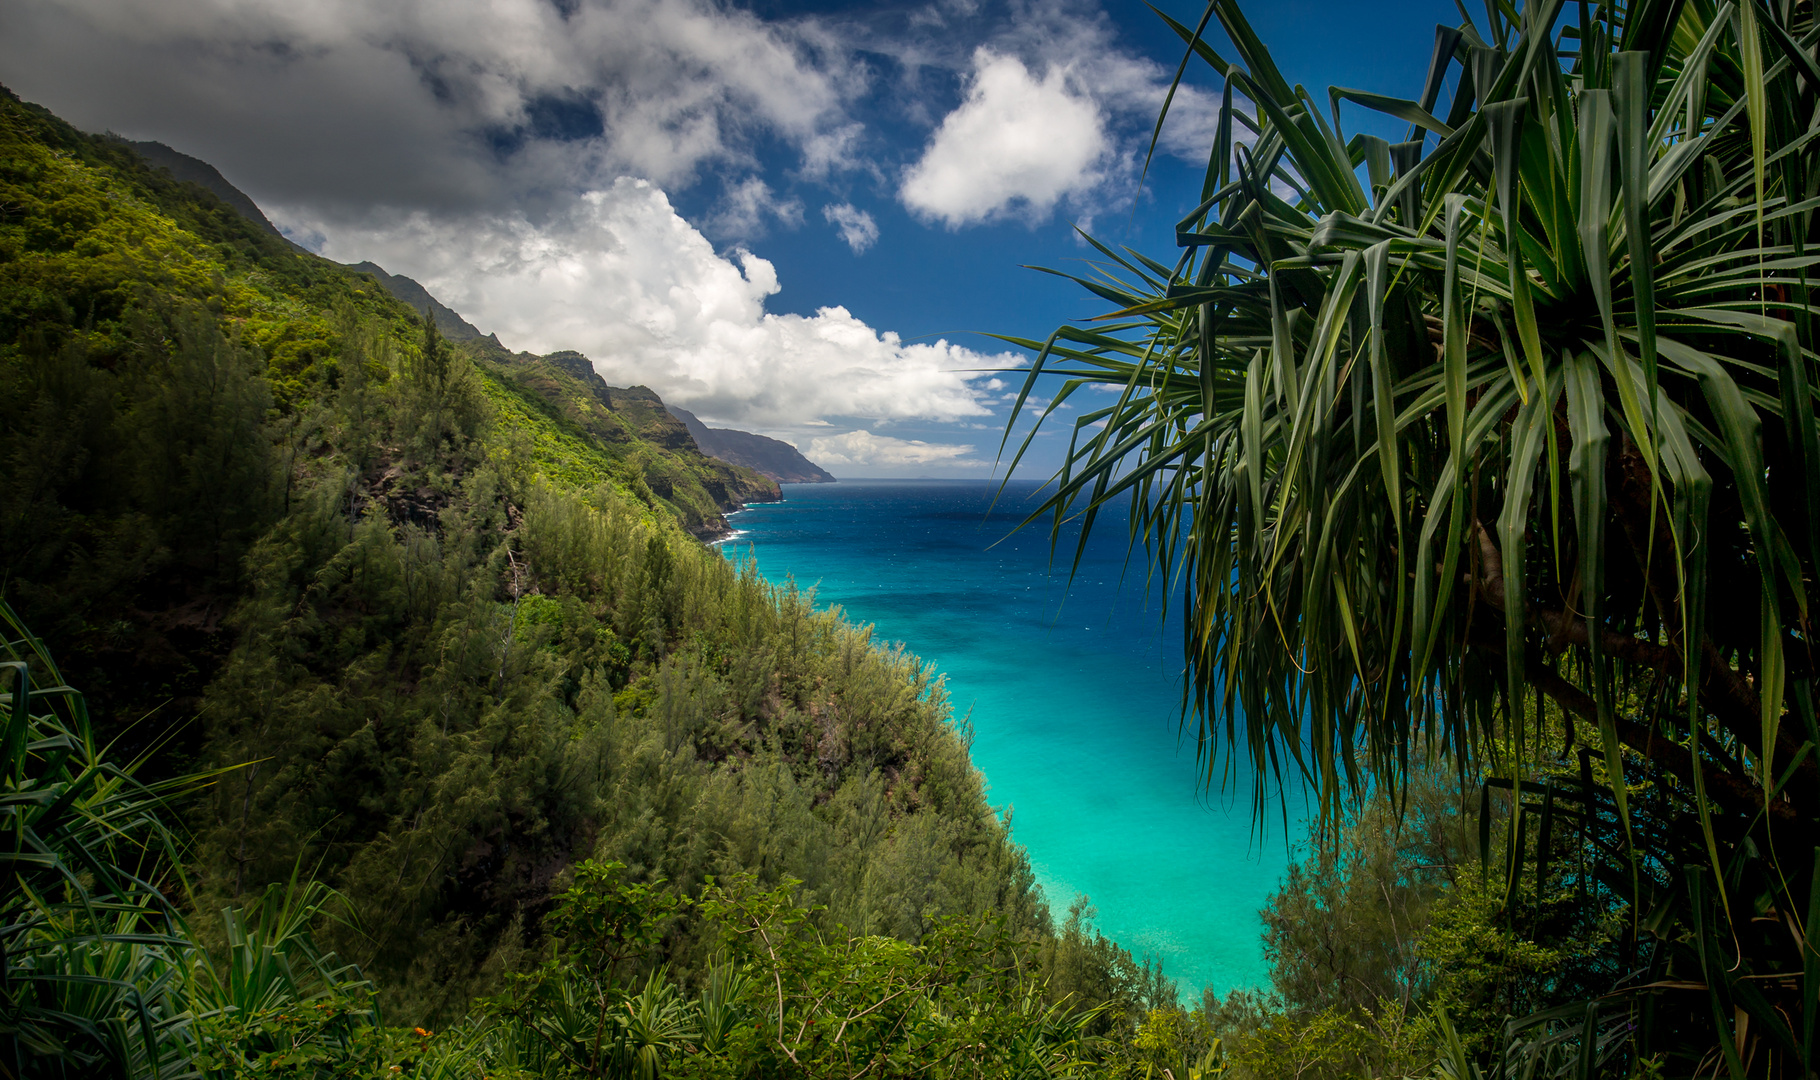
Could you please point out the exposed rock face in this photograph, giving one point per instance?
(582, 369)
(644, 412)
(773, 457)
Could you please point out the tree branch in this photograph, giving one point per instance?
(1737, 794)
(1723, 690)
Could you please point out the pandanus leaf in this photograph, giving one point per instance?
(1607, 247)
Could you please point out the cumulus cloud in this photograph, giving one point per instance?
(1017, 144)
(749, 206)
(621, 277)
(1055, 112)
(439, 103)
(855, 226)
(462, 105)
(862, 448)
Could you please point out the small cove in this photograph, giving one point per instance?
(1072, 694)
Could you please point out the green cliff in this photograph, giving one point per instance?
(424, 621)
(438, 614)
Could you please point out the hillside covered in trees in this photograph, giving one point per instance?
(426, 624)
(420, 736)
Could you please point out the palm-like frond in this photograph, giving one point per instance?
(1519, 409)
(95, 958)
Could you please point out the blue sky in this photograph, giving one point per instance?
(794, 218)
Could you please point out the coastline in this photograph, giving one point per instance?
(712, 535)
(1069, 689)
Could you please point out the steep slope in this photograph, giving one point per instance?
(631, 427)
(632, 423)
(435, 625)
(146, 327)
(188, 170)
(642, 410)
(452, 325)
(773, 457)
(699, 488)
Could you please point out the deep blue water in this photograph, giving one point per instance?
(1073, 697)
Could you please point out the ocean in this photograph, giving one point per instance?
(1073, 695)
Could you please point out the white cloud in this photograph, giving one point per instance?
(1080, 37)
(1056, 112)
(471, 106)
(1017, 145)
(748, 204)
(856, 226)
(619, 276)
(862, 448)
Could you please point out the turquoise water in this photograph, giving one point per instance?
(1073, 697)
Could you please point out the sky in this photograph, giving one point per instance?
(803, 219)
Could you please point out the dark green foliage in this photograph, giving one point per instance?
(1396, 919)
(449, 715)
(136, 492)
(443, 640)
(154, 347)
(1345, 928)
(1083, 964)
(962, 1001)
(202, 466)
(101, 976)
(575, 1014)
(169, 373)
(92, 953)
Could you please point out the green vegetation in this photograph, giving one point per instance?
(104, 977)
(427, 741)
(1502, 456)
(621, 424)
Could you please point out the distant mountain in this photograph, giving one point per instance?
(452, 325)
(773, 457)
(631, 425)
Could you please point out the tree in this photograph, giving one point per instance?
(1521, 418)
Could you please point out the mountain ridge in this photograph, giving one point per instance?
(429, 612)
(775, 458)
(193, 170)
(447, 319)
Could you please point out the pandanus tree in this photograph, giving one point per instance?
(1503, 437)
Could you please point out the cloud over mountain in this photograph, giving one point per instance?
(524, 160)
(862, 448)
(621, 277)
